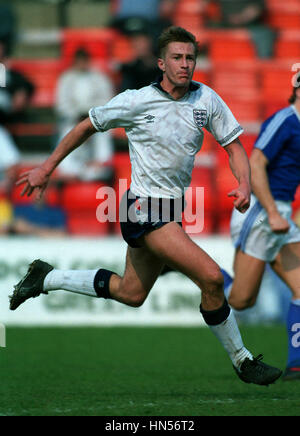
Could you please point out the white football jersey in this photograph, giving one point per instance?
(165, 134)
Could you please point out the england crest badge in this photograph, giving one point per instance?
(200, 117)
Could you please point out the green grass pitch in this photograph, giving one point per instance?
(127, 371)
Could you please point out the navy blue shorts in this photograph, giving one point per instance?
(139, 215)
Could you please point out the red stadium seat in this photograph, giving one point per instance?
(287, 45)
(225, 183)
(97, 42)
(16, 196)
(269, 108)
(80, 195)
(43, 74)
(238, 83)
(188, 14)
(80, 202)
(273, 4)
(122, 169)
(245, 109)
(122, 50)
(200, 203)
(276, 80)
(202, 76)
(231, 45)
(282, 15)
(209, 145)
(86, 224)
(236, 78)
(122, 166)
(248, 141)
(52, 196)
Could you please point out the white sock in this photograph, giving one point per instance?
(80, 282)
(229, 335)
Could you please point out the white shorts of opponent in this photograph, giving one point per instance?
(251, 231)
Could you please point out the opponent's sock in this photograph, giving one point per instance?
(228, 280)
(80, 282)
(224, 326)
(293, 330)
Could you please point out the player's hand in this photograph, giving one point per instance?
(277, 223)
(36, 178)
(242, 198)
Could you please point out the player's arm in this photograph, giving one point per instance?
(239, 164)
(38, 177)
(261, 189)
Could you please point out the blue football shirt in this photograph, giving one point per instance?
(279, 140)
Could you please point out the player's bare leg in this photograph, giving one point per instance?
(248, 274)
(174, 247)
(141, 271)
(287, 266)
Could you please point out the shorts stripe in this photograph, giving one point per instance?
(249, 221)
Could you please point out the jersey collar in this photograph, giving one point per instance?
(157, 84)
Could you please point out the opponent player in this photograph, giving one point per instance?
(266, 232)
(164, 123)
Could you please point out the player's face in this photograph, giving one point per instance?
(179, 63)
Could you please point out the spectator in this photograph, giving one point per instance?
(154, 15)
(14, 99)
(7, 26)
(249, 14)
(79, 89)
(143, 69)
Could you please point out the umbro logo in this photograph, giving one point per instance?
(150, 118)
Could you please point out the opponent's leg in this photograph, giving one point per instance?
(248, 274)
(141, 272)
(287, 266)
(174, 247)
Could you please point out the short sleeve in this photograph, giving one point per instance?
(221, 123)
(118, 112)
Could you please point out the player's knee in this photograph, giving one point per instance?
(241, 303)
(132, 295)
(213, 283)
(136, 300)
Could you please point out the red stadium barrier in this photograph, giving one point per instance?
(276, 80)
(231, 45)
(284, 15)
(43, 73)
(287, 45)
(97, 42)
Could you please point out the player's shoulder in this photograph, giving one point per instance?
(204, 92)
(200, 88)
(280, 117)
(138, 95)
(281, 120)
